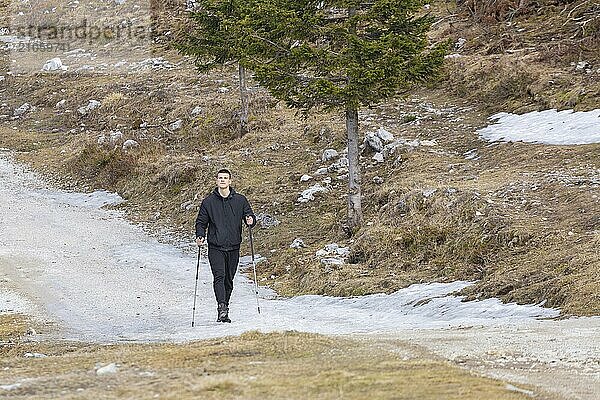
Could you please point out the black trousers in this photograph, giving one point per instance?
(223, 264)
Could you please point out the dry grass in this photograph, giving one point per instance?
(285, 365)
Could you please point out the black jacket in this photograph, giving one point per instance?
(223, 216)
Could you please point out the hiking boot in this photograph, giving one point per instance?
(223, 312)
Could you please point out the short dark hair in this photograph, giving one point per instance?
(224, 171)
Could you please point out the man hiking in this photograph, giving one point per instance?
(219, 223)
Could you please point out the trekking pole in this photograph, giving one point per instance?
(196, 286)
(254, 267)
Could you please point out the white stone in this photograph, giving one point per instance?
(332, 261)
(329, 154)
(10, 387)
(377, 180)
(115, 136)
(373, 141)
(378, 157)
(297, 243)
(92, 105)
(176, 125)
(130, 144)
(321, 171)
(428, 192)
(54, 64)
(309, 194)
(34, 355)
(343, 251)
(60, 104)
(196, 111)
(22, 110)
(305, 178)
(321, 253)
(385, 135)
(107, 369)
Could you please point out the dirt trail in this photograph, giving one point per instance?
(102, 279)
(561, 358)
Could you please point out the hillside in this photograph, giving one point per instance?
(522, 219)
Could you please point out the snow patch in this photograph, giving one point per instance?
(547, 127)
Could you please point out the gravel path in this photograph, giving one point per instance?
(102, 279)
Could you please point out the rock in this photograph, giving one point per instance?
(305, 178)
(309, 194)
(332, 261)
(460, 43)
(102, 140)
(266, 220)
(378, 157)
(340, 166)
(10, 387)
(92, 105)
(327, 181)
(321, 171)
(60, 104)
(582, 65)
(2, 78)
(429, 143)
(321, 253)
(54, 64)
(197, 111)
(330, 248)
(373, 142)
(152, 63)
(384, 135)
(22, 110)
(333, 254)
(297, 243)
(107, 369)
(30, 331)
(187, 206)
(130, 144)
(115, 136)
(471, 155)
(377, 180)
(176, 125)
(413, 143)
(329, 154)
(120, 2)
(428, 192)
(34, 355)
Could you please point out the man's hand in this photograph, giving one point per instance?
(199, 241)
(249, 220)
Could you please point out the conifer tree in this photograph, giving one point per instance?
(331, 54)
(341, 54)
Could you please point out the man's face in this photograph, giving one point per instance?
(223, 180)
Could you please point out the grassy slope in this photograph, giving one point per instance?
(523, 218)
(287, 365)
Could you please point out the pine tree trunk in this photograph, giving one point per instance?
(244, 98)
(354, 202)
